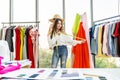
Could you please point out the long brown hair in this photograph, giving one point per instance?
(54, 28)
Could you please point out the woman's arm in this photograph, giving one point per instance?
(70, 41)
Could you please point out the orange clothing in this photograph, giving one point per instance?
(81, 51)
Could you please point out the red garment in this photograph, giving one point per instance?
(30, 50)
(117, 35)
(18, 42)
(81, 51)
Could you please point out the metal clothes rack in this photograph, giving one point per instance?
(19, 22)
(117, 16)
(104, 21)
(37, 23)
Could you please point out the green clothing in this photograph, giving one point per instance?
(76, 24)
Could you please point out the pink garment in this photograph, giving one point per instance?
(10, 68)
(35, 40)
(1, 67)
(85, 26)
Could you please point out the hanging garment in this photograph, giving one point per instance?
(18, 43)
(76, 24)
(81, 51)
(22, 33)
(85, 27)
(117, 35)
(92, 40)
(24, 46)
(8, 37)
(34, 37)
(30, 47)
(99, 42)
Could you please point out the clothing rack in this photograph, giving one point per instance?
(9, 23)
(37, 23)
(107, 19)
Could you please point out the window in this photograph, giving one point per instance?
(23, 10)
(104, 9)
(4, 11)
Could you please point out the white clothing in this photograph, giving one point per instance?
(62, 39)
(4, 50)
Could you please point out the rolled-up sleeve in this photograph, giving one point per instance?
(70, 41)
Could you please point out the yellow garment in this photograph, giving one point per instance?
(76, 24)
(22, 34)
(100, 54)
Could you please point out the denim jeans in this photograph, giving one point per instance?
(60, 52)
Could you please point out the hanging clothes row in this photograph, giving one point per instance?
(105, 39)
(81, 52)
(22, 42)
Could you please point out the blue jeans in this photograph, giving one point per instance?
(62, 53)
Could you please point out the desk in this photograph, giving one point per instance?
(55, 74)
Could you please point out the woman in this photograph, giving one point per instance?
(58, 41)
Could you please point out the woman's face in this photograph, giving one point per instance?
(59, 25)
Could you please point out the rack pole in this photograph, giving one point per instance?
(10, 11)
(37, 12)
(92, 23)
(20, 22)
(107, 18)
(63, 10)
